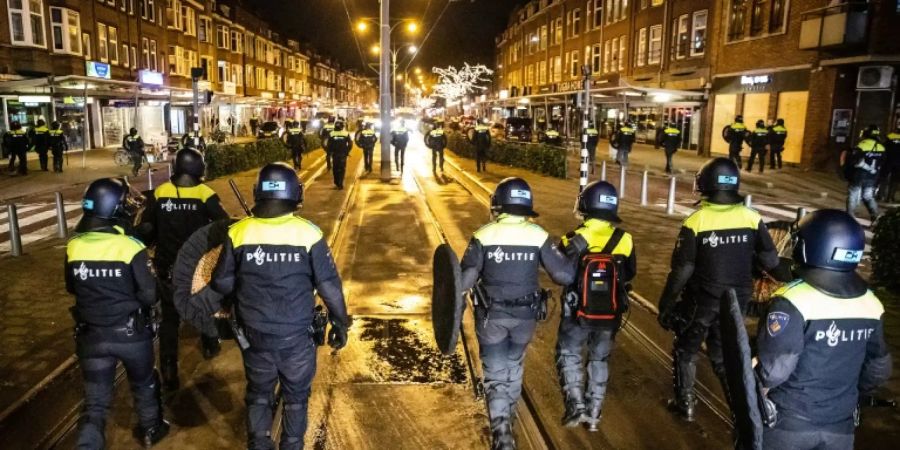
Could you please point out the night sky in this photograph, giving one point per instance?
(465, 32)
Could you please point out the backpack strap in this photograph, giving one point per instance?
(613, 241)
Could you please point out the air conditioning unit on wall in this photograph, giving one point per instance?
(874, 77)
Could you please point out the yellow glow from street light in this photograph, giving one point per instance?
(400, 77)
(362, 26)
(413, 49)
(412, 27)
(375, 49)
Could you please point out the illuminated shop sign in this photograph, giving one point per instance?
(97, 70)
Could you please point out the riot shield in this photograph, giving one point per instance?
(742, 384)
(194, 300)
(447, 301)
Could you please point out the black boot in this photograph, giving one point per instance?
(148, 437)
(574, 413)
(169, 369)
(502, 437)
(683, 404)
(684, 372)
(592, 417)
(211, 346)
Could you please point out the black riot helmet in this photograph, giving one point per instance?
(739, 118)
(189, 167)
(54, 125)
(104, 199)
(15, 125)
(278, 190)
(719, 180)
(599, 200)
(829, 239)
(779, 122)
(760, 124)
(338, 126)
(513, 196)
(41, 123)
(132, 131)
(871, 132)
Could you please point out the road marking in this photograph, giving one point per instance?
(35, 218)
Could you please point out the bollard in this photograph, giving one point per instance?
(169, 169)
(670, 201)
(62, 230)
(603, 171)
(622, 182)
(801, 212)
(149, 177)
(748, 201)
(15, 239)
(644, 189)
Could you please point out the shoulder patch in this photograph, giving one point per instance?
(776, 322)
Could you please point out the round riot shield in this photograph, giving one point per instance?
(447, 302)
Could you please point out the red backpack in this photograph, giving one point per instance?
(602, 298)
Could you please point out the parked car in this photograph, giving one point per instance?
(518, 129)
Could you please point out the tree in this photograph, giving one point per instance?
(454, 84)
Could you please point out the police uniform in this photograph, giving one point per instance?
(777, 137)
(16, 143)
(670, 140)
(552, 137)
(863, 166)
(890, 171)
(593, 137)
(40, 143)
(758, 139)
(188, 140)
(327, 129)
(436, 140)
(622, 142)
(366, 139)
(734, 135)
(134, 145)
(399, 139)
(58, 146)
(481, 139)
(339, 146)
(296, 142)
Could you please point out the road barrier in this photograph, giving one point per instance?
(62, 229)
(15, 239)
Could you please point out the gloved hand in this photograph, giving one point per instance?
(337, 334)
(782, 272)
(666, 317)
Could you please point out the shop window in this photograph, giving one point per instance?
(698, 42)
(682, 39)
(756, 17)
(65, 26)
(736, 20)
(26, 22)
(596, 54)
(623, 52)
(641, 51)
(776, 17)
(102, 50)
(654, 52)
(113, 45)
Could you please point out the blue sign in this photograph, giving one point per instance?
(847, 255)
(150, 77)
(727, 179)
(98, 70)
(274, 186)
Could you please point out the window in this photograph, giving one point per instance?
(126, 61)
(595, 57)
(542, 72)
(736, 20)
(203, 31)
(654, 51)
(574, 20)
(776, 18)
(251, 81)
(86, 45)
(557, 68)
(529, 75)
(607, 55)
(756, 17)
(134, 60)
(206, 65)
(623, 52)
(698, 42)
(26, 22)
(616, 10)
(224, 71)
(174, 19)
(543, 37)
(222, 37)
(682, 38)
(614, 53)
(189, 16)
(559, 30)
(641, 51)
(102, 49)
(145, 52)
(113, 45)
(65, 26)
(148, 10)
(598, 14)
(574, 69)
(153, 59)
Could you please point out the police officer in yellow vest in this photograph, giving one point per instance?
(622, 141)
(598, 204)
(400, 139)
(193, 139)
(777, 137)
(339, 146)
(134, 145)
(502, 263)
(593, 138)
(758, 140)
(821, 345)
(39, 137)
(295, 141)
(862, 167)
(275, 263)
(15, 142)
(172, 213)
(109, 275)
(481, 139)
(734, 135)
(890, 171)
(58, 146)
(717, 249)
(552, 137)
(366, 140)
(669, 138)
(436, 140)
(324, 134)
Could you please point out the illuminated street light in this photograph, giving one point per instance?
(413, 49)
(418, 71)
(375, 49)
(362, 26)
(412, 27)
(400, 77)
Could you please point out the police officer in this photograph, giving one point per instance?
(862, 167)
(501, 263)
(734, 135)
(890, 171)
(172, 213)
(481, 139)
(669, 139)
(295, 141)
(436, 140)
(366, 139)
(109, 276)
(254, 123)
(400, 139)
(777, 137)
(598, 204)
(622, 141)
(324, 134)
(822, 343)
(758, 140)
(552, 137)
(716, 251)
(339, 146)
(58, 146)
(39, 137)
(593, 137)
(134, 145)
(193, 139)
(16, 143)
(274, 262)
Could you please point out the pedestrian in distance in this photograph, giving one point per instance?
(758, 140)
(295, 140)
(365, 139)
(734, 135)
(593, 138)
(604, 254)
(58, 146)
(777, 137)
(861, 168)
(134, 145)
(717, 249)
(436, 140)
(109, 275)
(480, 137)
(890, 172)
(172, 213)
(400, 139)
(821, 345)
(274, 263)
(501, 263)
(15, 141)
(339, 145)
(669, 138)
(622, 141)
(324, 134)
(254, 123)
(39, 138)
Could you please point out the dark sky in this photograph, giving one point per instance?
(465, 32)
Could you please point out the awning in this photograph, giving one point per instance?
(76, 85)
(612, 94)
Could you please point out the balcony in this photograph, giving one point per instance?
(834, 27)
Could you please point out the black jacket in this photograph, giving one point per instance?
(366, 139)
(400, 138)
(133, 144)
(758, 138)
(436, 140)
(295, 139)
(339, 143)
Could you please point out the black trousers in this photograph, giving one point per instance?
(735, 155)
(22, 155)
(137, 158)
(368, 153)
(170, 325)
(339, 169)
(98, 354)
(294, 367)
(757, 152)
(42, 157)
(399, 157)
(297, 156)
(328, 157)
(481, 160)
(775, 158)
(669, 154)
(58, 159)
(437, 156)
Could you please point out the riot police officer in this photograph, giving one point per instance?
(716, 250)
(501, 262)
(172, 213)
(593, 137)
(324, 134)
(622, 141)
(134, 145)
(822, 343)
(862, 167)
(339, 145)
(598, 204)
(890, 170)
(58, 146)
(295, 141)
(400, 139)
(734, 135)
(777, 137)
(552, 137)
(193, 139)
(758, 140)
(274, 262)
(16, 143)
(366, 139)
(39, 137)
(481, 139)
(109, 276)
(436, 140)
(669, 139)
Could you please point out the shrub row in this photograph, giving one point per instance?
(226, 159)
(541, 158)
(886, 251)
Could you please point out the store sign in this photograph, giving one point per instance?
(755, 80)
(229, 88)
(35, 99)
(97, 70)
(567, 86)
(150, 77)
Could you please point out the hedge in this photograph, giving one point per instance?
(886, 251)
(226, 159)
(541, 158)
